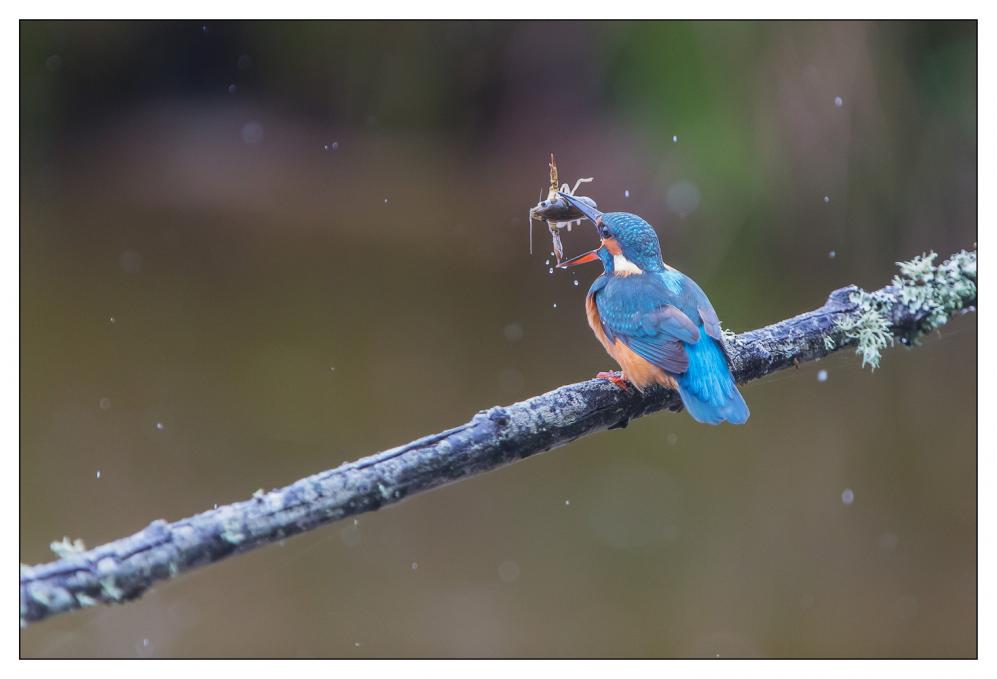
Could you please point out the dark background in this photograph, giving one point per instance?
(251, 251)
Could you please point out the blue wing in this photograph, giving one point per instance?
(668, 320)
(639, 311)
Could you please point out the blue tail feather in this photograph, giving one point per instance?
(707, 388)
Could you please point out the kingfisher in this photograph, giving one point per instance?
(655, 321)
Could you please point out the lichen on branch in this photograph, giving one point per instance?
(924, 295)
(920, 299)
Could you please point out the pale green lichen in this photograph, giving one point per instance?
(928, 291)
(66, 547)
(110, 589)
(85, 600)
(937, 291)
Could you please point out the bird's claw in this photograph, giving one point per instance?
(616, 378)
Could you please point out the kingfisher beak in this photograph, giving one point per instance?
(590, 212)
(580, 259)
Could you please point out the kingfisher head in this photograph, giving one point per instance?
(629, 244)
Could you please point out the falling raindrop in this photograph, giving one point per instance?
(252, 132)
(827, 199)
(550, 270)
(415, 566)
(626, 193)
(104, 403)
(111, 319)
(513, 332)
(385, 201)
(576, 282)
(847, 496)
(822, 376)
(98, 473)
(232, 89)
(508, 571)
(555, 305)
(838, 102)
(567, 503)
(832, 254)
(675, 138)
(160, 426)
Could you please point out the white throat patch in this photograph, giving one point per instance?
(624, 267)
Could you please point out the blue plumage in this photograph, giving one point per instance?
(651, 317)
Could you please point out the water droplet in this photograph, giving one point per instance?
(513, 332)
(332, 368)
(356, 522)
(838, 102)
(567, 503)
(145, 642)
(683, 198)
(675, 138)
(104, 403)
(888, 542)
(822, 376)
(550, 270)
(576, 282)
(508, 571)
(385, 201)
(827, 199)
(130, 261)
(204, 28)
(832, 254)
(252, 132)
(547, 263)
(160, 426)
(215, 506)
(555, 305)
(232, 89)
(356, 644)
(98, 473)
(335, 145)
(415, 566)
(847, 496)
(626, 193)
(111, 319)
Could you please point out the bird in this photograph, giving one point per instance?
(655, 321)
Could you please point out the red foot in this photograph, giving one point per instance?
(616, 378)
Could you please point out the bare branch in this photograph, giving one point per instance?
(919, 300)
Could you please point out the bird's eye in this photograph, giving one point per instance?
(605, 231)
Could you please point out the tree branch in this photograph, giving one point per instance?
(919, 300)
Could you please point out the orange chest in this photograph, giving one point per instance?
(638, 370)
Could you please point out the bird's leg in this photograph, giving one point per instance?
(617, 378)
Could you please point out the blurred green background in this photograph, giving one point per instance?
(251, 251)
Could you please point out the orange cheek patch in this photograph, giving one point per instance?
(613, 246)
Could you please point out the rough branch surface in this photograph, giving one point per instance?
(124, 569)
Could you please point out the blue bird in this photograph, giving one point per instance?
(656, 322)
